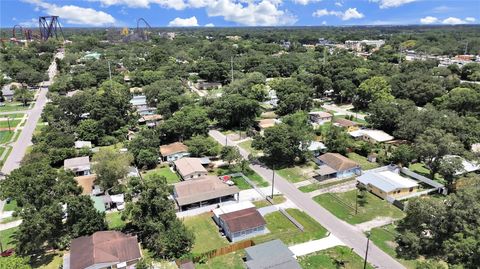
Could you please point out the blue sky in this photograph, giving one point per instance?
(84, 13)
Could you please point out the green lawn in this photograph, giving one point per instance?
(13, 124)
(51, 260)
(13, 106)
(12, 206)
(231, 260)
(384, 238)
(420, 168)
(241, 183)
(5, 136)
(115, 221)
(277, 199)
(247, 145)
(333, 258)
(206, 233)
(296, 173)
(374, 207)
(362, 161)
(256, 178)
(6, 237)
(166, 172)
(282, 228)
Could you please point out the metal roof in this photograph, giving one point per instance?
(273, 255)
(387, 181)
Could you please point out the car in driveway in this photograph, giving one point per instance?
(7, 253)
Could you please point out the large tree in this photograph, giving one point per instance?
(433, 145)
(83, 218)
(23, 95)
(111, 167)
(337, 140)
(235, 111)
(372, 90)
(200, 146)
(153, 216)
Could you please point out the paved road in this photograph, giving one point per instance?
(19, 148)
(349, 234)
(343, 111)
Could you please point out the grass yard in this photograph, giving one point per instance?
(318, 186)
(342, 205)
(115, 221)
(51, 260)
(384, 238)
(12, 206)
(362, 161)
(332, 258)
(231, 260)
(5, 136)
(6, 237)
(420, 168)
(166, 172)
(256, 178)
(296, 173)
(13, 124)
(247, 145)
(206, 233)
(357, 120)
(282, 228)
(12, 106)
(277, 199)
(241, 183)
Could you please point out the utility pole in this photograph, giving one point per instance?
(273, 179)
(8, 120)
(356, 201)
(231, 66)
(109, 71)
(366, 252)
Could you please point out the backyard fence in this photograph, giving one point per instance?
(223, 250)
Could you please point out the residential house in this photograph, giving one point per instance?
(372, 136)
(104, 249)
(8, 90)
(387, 183)
(316, 148)
(79, 165)
(138, 101)
(349, 125)
(240, 221)
(334, 165)
(150, 120)
(202, 191)
(319, 117)
(272, 98)
(266, 123)
(272, 255)
(173, 151)
(204, 85)
(73, 93)
(87, 183)
(467, 165)
(242, 224)
(136, 90)
(83, 144)
(190, 168)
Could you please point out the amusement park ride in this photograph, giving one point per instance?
(48, 27)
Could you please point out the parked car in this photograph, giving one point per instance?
(8, 252)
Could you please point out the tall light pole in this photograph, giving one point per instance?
(273, 179)
(366, 252)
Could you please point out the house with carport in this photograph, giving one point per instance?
(334, 165)
(388, 183)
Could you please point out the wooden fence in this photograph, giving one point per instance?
(218, 252)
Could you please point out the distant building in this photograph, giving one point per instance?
(92, 56)
(8, 90)
(190, 168)
(316, 148)
(168, 35)
(87, 183)
(359, 45)
(319, 117)
(80, 165)
(138, 101)
(83, 144)
(387, 183)
(105, 249)
(233, 37)
(372, 136)
(266, 123)
(204, 85)
(173, 151)
(151, 120)
(349, 125)
(240, 221)
(272, 255)
(202, 191)
(334, 165)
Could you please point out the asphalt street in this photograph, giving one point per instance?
(347, 233)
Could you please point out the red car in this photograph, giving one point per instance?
(8, 252)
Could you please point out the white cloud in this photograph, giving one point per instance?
(263, 13)
(429, 20)
(453, 20)
(305, 2)
(338, 4)
(324, 22)
(470, 19)
(209, 25)
(30, 23)
(187, 22)
(392, 3)
(174, 4)
(351, 13)
(75, 14)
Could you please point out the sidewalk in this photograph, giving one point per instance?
(9, 225)
(316, 245)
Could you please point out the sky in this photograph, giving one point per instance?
(227, 13)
